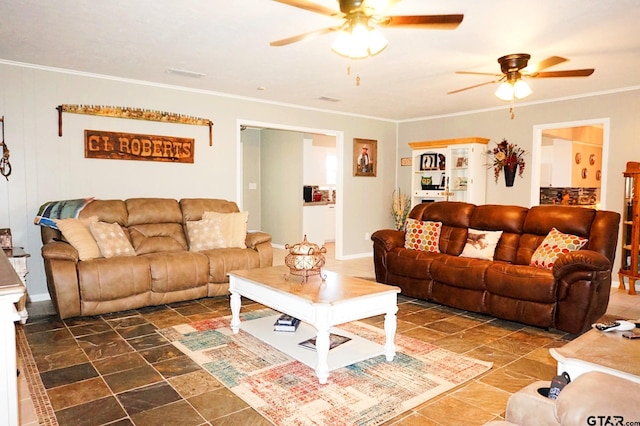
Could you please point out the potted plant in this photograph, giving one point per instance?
(508, 157)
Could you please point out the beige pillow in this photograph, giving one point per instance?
(111, 239)
(77, 233)
(233, 227)
(204, 235)
(481, 244)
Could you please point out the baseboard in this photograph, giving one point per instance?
(42, 297)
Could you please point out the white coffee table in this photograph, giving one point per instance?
(321, 304)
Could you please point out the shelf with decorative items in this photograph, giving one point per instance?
(630, 249)
(449, 170)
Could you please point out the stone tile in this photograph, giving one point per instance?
(64, 376)
(452, 411)
(535, 369)
(91, 328)
(423, 333)
(149, 397)
(160, 353)
(55, 360)
(411, 418)
(455, 343)
(423, 317)
(195, 383)
(508, 344)
(147, 342)
(176, 366)
(497, 357)
(490, 398)
(106, 350)
(226, 403)
(118, 363)
(98, 412)
(165, 318)
(193, 308)
(507, 380)
(127, 321)
(137, 330)
(78, 393)
(177, 413)
(132, 378)
(247, 416)
(47, 324)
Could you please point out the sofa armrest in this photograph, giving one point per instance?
(595, 394)
(580, 261)
(388, 238)
(256, 237)
(59, 250)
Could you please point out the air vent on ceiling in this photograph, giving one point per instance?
(328, 99)
(185, 73)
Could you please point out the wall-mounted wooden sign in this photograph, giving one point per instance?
(131, 146)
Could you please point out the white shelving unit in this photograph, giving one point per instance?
(449, 169)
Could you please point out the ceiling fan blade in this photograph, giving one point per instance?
(311, 7)
(478, 73)
(472, 87)
(544, 64)
(432, 22)
(305, 36)
(568, 73)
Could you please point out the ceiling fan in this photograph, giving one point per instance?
(358, 36)
(514, 67)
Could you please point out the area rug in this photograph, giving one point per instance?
(287, 392)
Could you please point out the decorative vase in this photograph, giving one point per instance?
(509, 175)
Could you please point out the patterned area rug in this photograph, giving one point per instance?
(287, 392)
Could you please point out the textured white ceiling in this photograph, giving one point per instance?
(228, 41)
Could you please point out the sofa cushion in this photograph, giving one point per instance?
(463, 272)
(481, 244)
(204, 235)
(555, 244)
(153, 210)
(116, 278)
(194, 208)
(177, 271)
(110, 211)
(158, 237)
(422, 235)
(77, 233)
(232, 227)
(111, 239)
(521, 282)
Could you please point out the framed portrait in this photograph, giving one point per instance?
(5, 238)
(429, 161)
(365, 157)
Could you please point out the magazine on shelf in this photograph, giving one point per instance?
(335, 340)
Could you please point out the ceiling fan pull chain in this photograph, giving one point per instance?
(358, 80)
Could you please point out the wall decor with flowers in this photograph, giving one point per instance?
(507, 157)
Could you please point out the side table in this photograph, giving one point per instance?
(18, 259)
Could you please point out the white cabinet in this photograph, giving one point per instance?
(330, 223)
(450, 169)
(313, 223)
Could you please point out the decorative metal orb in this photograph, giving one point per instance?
(305, 259)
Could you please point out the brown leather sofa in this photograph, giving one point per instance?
(570, 297)
(163, 270)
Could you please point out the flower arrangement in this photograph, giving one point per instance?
(400, 206)
(508, 155)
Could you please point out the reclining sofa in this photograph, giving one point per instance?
(567, 294)
(164, 266)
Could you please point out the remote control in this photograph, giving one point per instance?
(620, 325)
(604, 326)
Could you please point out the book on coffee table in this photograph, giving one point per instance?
(335, 340)
(286, 323)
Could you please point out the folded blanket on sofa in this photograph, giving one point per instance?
(60, 210)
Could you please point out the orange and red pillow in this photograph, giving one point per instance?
(422, 235)
(555, 244)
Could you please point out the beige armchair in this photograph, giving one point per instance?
(593, 398)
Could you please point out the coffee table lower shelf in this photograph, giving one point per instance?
(355, 350)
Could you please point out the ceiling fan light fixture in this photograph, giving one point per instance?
(359, 41)
(507, 91)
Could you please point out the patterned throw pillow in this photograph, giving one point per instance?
(78, 234)
(233, 227)
(555, 244)
(204, 235)
(481, 244)
(423, 236)
(111, 239)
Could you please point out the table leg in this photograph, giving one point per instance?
(322, 350)
(235, 312)
(390, 333)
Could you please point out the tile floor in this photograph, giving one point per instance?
(114, 369)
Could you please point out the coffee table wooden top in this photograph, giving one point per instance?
(335, 289)
(608, 349)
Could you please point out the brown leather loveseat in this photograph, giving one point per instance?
(162, 269)
(569, 297)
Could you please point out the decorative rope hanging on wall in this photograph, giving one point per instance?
(5, 165)
(133, 114)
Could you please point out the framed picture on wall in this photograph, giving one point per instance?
(365, 157)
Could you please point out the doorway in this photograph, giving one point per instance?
(250, 187)
(569, 163)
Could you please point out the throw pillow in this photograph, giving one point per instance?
(423, 236)
(481, 244)
(77, 233)
(553, 245)
(233, 227)
(204, 235)
(111, 239)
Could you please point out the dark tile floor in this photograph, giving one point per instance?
(115, 369)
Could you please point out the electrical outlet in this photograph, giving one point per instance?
(367, 236)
